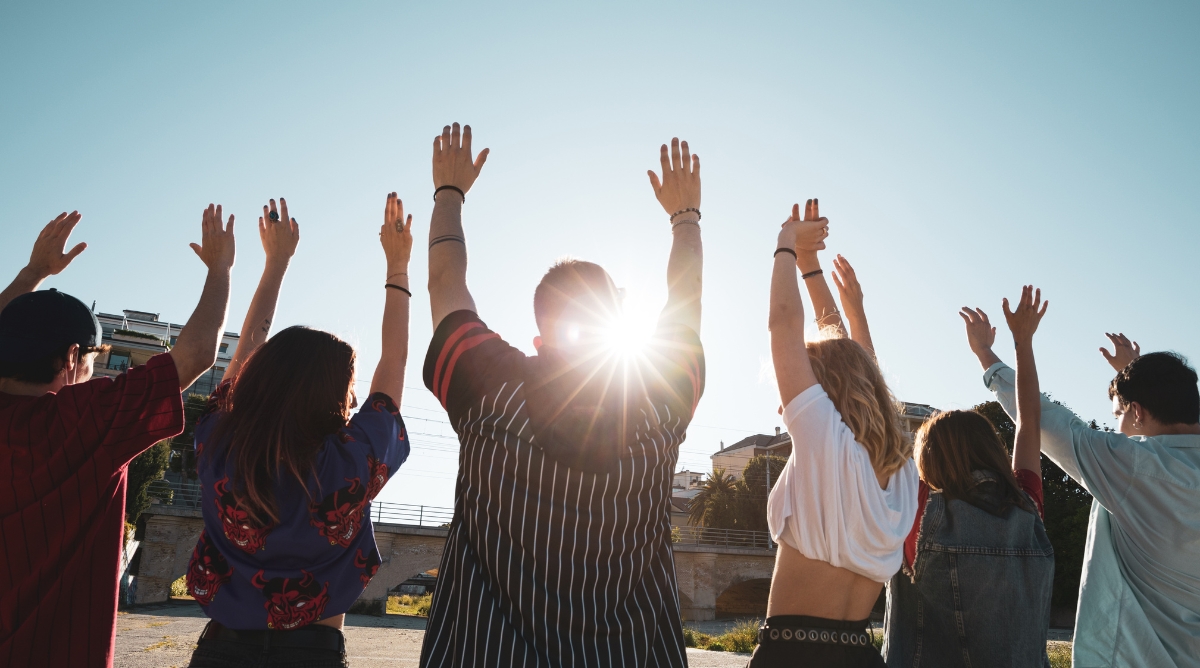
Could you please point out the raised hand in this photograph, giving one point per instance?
(980, 333)
(216, 247)
(452, 161)
(679, 188)
(1023, 321)
(1124, 351)
(48, 258)
(815, 240)
(848, 287)
(396, 236)
(805, 235)
(278, 232)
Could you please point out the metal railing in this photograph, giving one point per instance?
(186, 495)
(721, 537)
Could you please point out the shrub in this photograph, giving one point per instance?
(179, 587)
(406, 604)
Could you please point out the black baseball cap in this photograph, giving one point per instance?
(42, 323)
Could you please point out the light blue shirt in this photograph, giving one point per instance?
(1139, 596)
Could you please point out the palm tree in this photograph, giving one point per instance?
(716, 495)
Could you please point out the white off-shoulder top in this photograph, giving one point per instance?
(827, 503)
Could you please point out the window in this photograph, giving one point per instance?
(174, 339)
(224, 348)
(118, 360)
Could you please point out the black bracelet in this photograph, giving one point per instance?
(398, 287)
(810, 274)
(447, 237)
(454, 188)
(690, 208)
(785, 250)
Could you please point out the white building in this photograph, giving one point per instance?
(136, 336)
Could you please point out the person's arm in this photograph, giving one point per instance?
(455, 171)
(852, 302)
(279, 234)
(1124, 351)
(1023, 322)
(396, 237)
(825, 310)
(793, 369)
(47, 258)
(196, 348)
(679, 194)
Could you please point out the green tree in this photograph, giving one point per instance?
(145, 480)
(1068, 506)
(758, 478)
(716, 504)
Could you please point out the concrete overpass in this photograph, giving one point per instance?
(714, 580)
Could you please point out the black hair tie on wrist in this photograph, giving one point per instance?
(810, 274)
(785, 250)
(454, 188)
(400, 288)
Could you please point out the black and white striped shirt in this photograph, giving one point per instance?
(559, 551)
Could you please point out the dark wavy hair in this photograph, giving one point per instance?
(952, 445)
(288, 397)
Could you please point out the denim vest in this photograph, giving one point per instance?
(979, 592)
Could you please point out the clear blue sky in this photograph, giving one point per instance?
(958, 150)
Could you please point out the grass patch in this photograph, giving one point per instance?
(167, 642)
(1060, 653)
(406, 604)
(741, 638)
(179, 587)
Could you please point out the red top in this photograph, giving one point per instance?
(1029, 481)
(63, 460)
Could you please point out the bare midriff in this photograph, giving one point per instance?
(335, 622)
(803, 586)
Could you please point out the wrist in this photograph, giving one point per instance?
(394, 268)
(449, 194)
(30, 274)
(807, 261)
(279, 264)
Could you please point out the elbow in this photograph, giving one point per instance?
(785, 319)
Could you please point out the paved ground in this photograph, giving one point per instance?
(164, 635)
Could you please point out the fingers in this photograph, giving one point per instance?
(216, 221)
(816, 209)
(67, 224)
(74, 252)
(654, 181)
(1007, 311)
(272, 213)
(408, 225)
(1045, 305)
(837, 280)
(1109, 357)
(466, 139)
(808, 210)
(399, 209)
(229, 227)
(437, 145)
(686, 160)
(664, 160)
(1137, 350)
(696, 165)
(283, 212)
(481, 158)
(197, 249)
(675, 159)
(796, 212)
(446, 138)
(456, 136)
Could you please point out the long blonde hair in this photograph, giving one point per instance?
(853, 381)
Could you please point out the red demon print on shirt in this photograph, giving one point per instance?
(367, 563)
(207, 571)
(340, 515)
(238, 527)
(379, 477)
(291, 602)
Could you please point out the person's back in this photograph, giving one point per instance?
(66, 441)
(559, 552)
(979, 592)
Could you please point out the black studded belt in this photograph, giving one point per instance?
(806, 634)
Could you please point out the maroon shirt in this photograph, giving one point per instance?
(63, 461)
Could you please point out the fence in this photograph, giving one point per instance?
(187, 495)
(721, 537)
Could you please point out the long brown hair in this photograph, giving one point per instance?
(855, 385)
(290, 394)
(952, 445)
